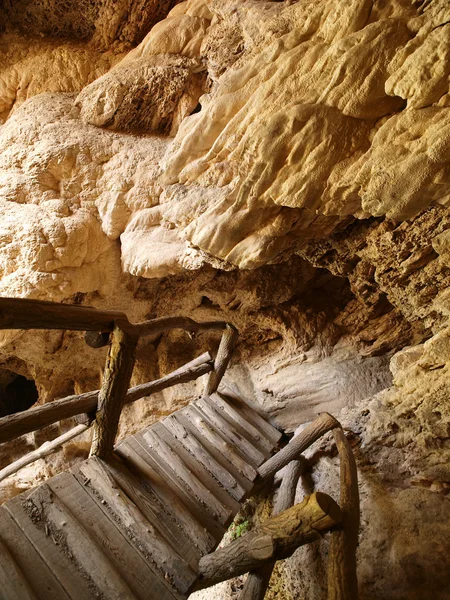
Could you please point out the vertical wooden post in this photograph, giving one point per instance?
(116, 379)
(224, 353)
(342, 579)
(257, 582)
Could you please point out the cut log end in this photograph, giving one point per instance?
(97, 339)
(329, 508)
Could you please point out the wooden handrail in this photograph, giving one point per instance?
(256, 584)
(342, 578)
(324, 423)
(13, 426)
(276, 538)
(20, 313)
(44, 450)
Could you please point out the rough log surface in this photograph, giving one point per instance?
(111, 398)
(342, 578)
(44, 450)
(256, 584)
(23, 313)
(224, 354)
(324, 422)
(13, 426)
(165, 323)
(20, 313)
(277, 538)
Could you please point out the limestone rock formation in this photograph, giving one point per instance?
(282, 165)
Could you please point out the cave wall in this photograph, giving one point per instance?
(281, 165)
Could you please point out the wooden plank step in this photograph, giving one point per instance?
(202, 504)
(221, 449)
(210, 464)
(239, 404)
(241, 424)
(142, 535)
(13, 583)
(242, 445)
(154, 511)
(41, 579)
(50, 543)
(70, 530)
(136, 456)
(196, 467)
(160, 440)
(119, 570)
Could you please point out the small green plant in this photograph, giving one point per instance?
(238, 529)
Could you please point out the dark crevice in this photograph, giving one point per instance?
(17, 393)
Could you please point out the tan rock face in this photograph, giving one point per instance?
(281, 165)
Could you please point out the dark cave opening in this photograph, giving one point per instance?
(17, 393)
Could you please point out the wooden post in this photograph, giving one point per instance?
(117, 375)
(277, 538)
(324, 422)
(342, 579)
(224, 353)
(256, 584)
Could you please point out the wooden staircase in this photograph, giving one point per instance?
(134, 526)
(141, 519)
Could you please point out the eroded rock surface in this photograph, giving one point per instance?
(281, 165)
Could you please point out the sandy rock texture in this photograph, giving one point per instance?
(281, 165)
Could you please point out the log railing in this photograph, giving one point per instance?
(289, 528)
(293, 525)
(102, 408)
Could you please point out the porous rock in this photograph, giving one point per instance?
(280, 165)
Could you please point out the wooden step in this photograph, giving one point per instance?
(198, 451)
(43, 582)
(269, 431)
(44, 524)
(142, 535)
(139, 459)
(121, 569)
(245, 448)
(12, 578)
(201, 503)
(196, 468)
(135, 527)
(224, 452)
(238, 420)
(157, 513)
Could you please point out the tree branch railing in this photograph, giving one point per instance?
(293, 526)
(280, 535)
(104, 327)
(276, 538)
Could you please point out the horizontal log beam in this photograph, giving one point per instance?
(22, 313)
(162, 324)
(44, 450)
(13, 426)
(277, 538)
(324, 423)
